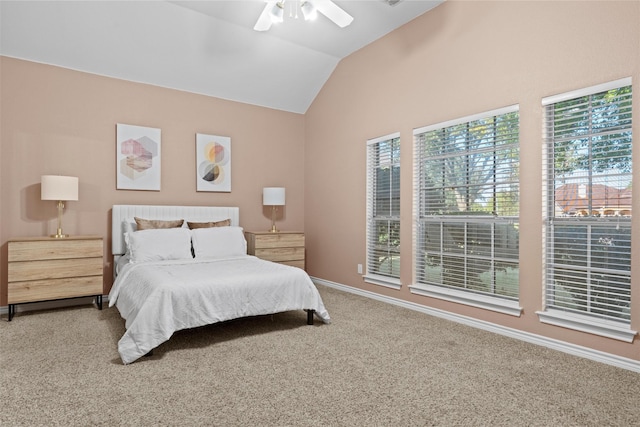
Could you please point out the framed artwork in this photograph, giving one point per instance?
(213, 163)
(137, 158)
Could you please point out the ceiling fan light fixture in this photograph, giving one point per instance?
(309, 11)
(273, 12)
(277, 13)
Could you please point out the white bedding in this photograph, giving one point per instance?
(158, 298)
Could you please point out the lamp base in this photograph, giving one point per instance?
(59, 234)
(273, 220)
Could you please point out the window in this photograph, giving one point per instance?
(587, 205)
(383, 211)
(467, 209)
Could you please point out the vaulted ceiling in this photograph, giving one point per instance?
(205, 47)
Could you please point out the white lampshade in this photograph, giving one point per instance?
(56, 187)
(273, 196)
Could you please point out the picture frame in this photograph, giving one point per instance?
(138, 157)
(213, 163)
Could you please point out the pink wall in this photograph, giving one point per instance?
(58, 121)
(459, 59)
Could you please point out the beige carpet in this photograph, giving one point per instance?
(375, 365)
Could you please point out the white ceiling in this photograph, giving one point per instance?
(205, 47)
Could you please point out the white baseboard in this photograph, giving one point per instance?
(575, 350)
(48, 305)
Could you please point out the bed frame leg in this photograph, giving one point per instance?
(310, 317)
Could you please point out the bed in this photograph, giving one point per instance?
(180, 267)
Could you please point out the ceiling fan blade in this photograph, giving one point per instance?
(264, 21)
(332, 11)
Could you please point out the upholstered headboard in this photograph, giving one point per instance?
(123, 214)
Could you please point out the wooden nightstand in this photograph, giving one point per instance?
(44, 269)
(283, 247)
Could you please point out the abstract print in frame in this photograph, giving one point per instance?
(213, 163)
(138, 158)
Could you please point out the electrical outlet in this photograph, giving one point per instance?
(359, 268)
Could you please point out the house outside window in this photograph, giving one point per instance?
(467, 210)
(587, 209)
(383, 211)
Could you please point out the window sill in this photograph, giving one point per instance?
(486, 302)
(605, 328)
(388, 282)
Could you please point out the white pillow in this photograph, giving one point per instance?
(218, 242)
(159, 244)
(128, 226)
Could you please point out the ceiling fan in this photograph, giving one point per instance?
(274, 12)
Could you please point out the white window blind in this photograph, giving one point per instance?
(467, 204)
(587, 201)
(383, 209)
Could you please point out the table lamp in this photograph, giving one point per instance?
(61, 189)
(274, 197)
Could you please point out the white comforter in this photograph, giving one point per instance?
(158, 298)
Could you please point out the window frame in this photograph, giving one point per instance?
(373, 275)
(486, 301)
(553, 313)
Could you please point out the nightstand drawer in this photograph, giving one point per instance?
(299, 263)
(281, 254)
(278, 240)
(29, 250)
(20, 292)
(54, 269)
